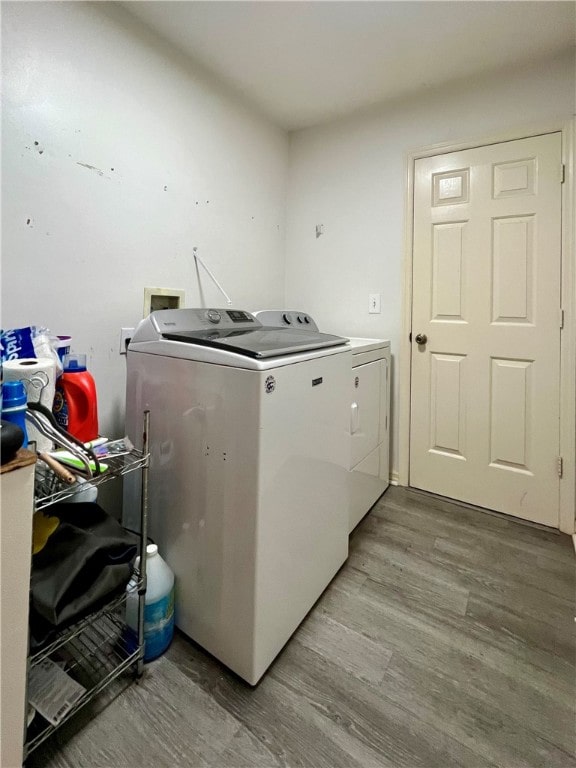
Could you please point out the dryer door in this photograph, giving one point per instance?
(365, 409)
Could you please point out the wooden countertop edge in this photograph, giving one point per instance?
(22, 459)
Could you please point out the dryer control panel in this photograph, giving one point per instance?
(290, 318)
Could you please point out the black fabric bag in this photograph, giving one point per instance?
(85, 562)
(11, 439)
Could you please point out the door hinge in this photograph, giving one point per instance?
(410, 336)
(560, 466)
(561, 318)
(562, 173)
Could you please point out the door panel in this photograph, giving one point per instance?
(448, 298)
(486, 293)
(447, 414)
(510, 416)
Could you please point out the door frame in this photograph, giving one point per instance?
(567, 128)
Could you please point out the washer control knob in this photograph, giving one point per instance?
(306, 319)
(286, 318)
(213, 315)
(299, 319)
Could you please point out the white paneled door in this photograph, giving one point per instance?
(486, 327)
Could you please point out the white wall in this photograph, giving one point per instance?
(119, 156)
(141, 156)
(350, 176)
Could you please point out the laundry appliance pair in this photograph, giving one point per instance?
(249, 480)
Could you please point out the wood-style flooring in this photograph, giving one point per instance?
(447, 639)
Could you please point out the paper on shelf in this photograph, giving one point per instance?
(52, 692)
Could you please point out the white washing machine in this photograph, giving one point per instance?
(248, 475)
(369, 409)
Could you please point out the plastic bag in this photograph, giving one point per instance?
(16, 343)
(31, 341)
(43, 347)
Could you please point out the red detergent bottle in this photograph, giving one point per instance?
(75, 402)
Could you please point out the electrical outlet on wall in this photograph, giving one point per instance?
(125, 336)
(374, 303)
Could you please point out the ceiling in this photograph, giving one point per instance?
(305, 62)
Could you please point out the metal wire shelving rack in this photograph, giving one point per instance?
(99, 648)
(49, 489)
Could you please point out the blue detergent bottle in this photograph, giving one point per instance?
(14, 406)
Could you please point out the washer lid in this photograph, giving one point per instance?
(260, 342)
(231, 330)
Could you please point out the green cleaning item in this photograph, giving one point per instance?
(73, 461)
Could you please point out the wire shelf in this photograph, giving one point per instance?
(69, 633)
(94, 652)
(49, 489)
(100, 648)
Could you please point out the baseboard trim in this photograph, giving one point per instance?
(394, 478)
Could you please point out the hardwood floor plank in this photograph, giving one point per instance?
(353, 651)
(422, 512)
(469, 565)
(398, 534)
(418, 578)
(557, 640)
(246, 751)
(485, 671)
(368, 715)
(446, 639)
(280, 721)
(500, 650)
(163, 721)
(504, 588)
(501, 563)
(501, 737)
(425, 638)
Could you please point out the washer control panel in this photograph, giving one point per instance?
(226, 315)
(213, 315)
(189, 320)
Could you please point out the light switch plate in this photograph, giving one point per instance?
(374, 303)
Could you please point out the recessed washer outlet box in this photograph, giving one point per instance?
(162, 298)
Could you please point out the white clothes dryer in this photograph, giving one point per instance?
(369, 426)
(248, 477)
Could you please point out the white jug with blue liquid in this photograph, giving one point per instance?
(159, 606)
